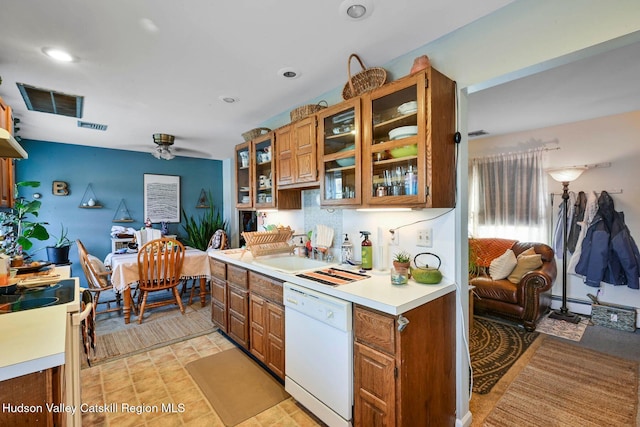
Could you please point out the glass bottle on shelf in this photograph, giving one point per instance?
(263, 184)
(243, 175)
(339, 149)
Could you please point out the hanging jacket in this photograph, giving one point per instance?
(578, 216)
(558, 241)
(609, 253)
(590, 212)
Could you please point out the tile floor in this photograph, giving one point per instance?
(158, 377)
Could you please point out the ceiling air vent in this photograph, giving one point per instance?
(477, 133)
(89, 125)
(50, 101)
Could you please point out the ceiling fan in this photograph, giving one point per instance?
(165, 150)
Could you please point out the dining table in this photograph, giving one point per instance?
(124, 273)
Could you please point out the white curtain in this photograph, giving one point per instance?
(507, 197)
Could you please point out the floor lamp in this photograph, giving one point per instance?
(565, 176)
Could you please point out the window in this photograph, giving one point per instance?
(507, 197)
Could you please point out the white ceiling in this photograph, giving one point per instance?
(150, 66)
(605, 81)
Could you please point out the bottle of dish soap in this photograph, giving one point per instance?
(346, 250)
(367, 251)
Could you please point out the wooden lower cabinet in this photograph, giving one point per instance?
(267, 322)
(219, 304)
(238, 319)
(34, 390)
(405, 378)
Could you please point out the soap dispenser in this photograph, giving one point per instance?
(346, 251)
(367, 251)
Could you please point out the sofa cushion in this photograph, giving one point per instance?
(502, 266)
(526, 263)
(486, 249)
(501, 290)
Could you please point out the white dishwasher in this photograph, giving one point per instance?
(319, 353)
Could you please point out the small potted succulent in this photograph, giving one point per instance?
(401, 259)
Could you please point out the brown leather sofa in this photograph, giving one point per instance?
(524, 302)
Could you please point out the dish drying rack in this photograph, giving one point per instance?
(261, 243)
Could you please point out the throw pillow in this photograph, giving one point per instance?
(98, 267)
(528, 252)
(503, 265)
(525, 264)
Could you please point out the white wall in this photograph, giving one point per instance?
(612, 140)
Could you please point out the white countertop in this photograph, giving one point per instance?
(376, 292)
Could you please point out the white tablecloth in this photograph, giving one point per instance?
(124, 267)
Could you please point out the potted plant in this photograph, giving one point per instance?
(17, 227)
(58, 253)
(401, 259)
(199, 231)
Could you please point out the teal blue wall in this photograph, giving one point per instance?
(114, 175)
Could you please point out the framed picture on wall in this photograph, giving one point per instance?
(162, 198)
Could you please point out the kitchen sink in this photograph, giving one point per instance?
(291, 264)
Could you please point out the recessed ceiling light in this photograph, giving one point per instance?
(288, 73)
(228, 99)
(356, 10)
(149, 25)
(58, 54)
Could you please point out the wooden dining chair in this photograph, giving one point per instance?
(159, 268)
(99, 280)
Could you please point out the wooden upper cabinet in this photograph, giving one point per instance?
(7, 177)
(285, 159)
(297, 162)
(339, 154)
(408, 142)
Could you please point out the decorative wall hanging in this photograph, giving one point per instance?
(203, 201)
(162, 198)
(122, 213)
(89, 199)
(59, 188)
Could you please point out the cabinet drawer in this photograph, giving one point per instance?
(237, 276)
(375, 329)
(266, 287)
(218, 269)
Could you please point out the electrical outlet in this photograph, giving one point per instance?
(424, 237)
(394, 239)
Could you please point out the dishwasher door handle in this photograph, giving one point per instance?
(292, 301)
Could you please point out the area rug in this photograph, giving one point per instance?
(494, 347)
(566, 385)
(236, 386)
(163, 328)
(562, 329)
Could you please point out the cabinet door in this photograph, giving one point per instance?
(6, 165)
(264, 179)
(257, 316)
(339, 154)
(409, 152)
(306, 167)
(244, 193)
(374, 388)
(219, 303)
(285, 159)
(275, 341)
(238, 324)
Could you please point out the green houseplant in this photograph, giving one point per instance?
(200, 230)
(401, 259)
(18, 227)
(58, 253)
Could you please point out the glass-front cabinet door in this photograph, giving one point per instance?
(244, 178)
(339, 151)
(264, 178)
(406, 136)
